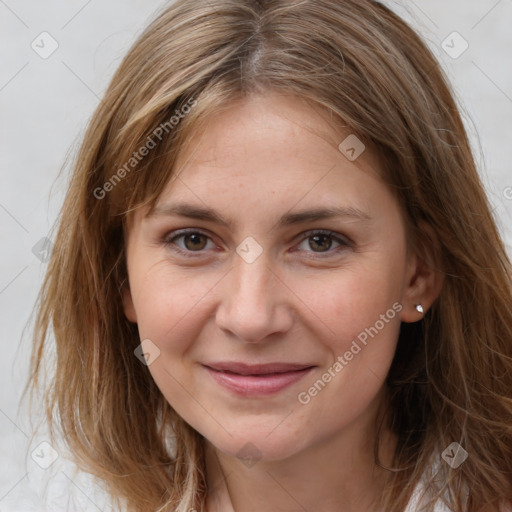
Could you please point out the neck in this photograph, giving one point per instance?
(338, 474)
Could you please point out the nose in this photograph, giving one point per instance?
(254, 302)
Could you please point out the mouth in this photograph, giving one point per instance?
(256, 380)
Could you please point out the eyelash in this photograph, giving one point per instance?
(343, 241)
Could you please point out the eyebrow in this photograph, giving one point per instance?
(208, 214)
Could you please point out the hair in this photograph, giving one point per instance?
(359, 62)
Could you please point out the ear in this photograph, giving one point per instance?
(128, 307)
(424, 279)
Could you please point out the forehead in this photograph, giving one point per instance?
(272, 142)
(282, 125)
(263, 156)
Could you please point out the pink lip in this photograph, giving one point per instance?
(256, 380)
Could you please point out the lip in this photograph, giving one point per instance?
(256, 379)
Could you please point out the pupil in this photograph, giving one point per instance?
(324, 237)
(195, 238)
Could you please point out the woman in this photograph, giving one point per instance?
(277, 283)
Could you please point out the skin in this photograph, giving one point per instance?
(297, 302)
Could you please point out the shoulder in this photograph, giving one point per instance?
(421, 496)
(419, 500)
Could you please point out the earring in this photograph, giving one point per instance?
(419, 308)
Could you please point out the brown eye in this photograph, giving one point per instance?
(188, 242)
(194, 241)
(320, 243)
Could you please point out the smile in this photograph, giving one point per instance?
(257, 380)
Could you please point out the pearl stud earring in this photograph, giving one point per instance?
(419, 308)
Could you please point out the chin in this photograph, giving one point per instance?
(252, 444)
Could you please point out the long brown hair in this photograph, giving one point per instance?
(451, 379)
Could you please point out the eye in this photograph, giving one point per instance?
(193, 241)
(321, 242)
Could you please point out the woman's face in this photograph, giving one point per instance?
(272, 324)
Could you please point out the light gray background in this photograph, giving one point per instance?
(44, 107)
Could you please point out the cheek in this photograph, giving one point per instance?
(360, 322)
(169, 305)
(360, 355)
(345, 303)
(169, 311)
